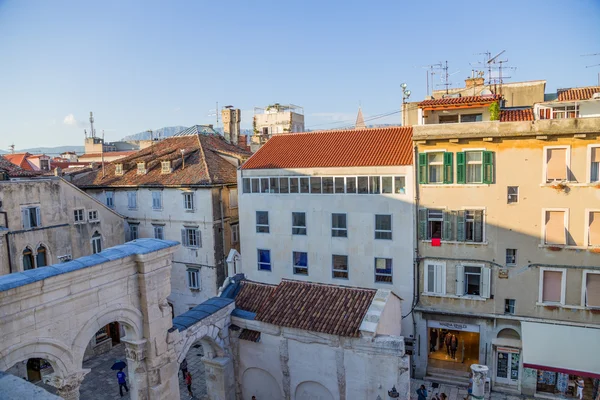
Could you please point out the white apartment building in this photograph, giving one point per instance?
(331, 207)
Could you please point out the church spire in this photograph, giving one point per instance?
(360, 121)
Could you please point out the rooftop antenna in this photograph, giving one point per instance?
(446, 77)
(594, 65)
(102, 151)
(215, 114)
(491, 65)
(92, 131)
(12, 148)
(430, 70)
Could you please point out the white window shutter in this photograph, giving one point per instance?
(486, 278)
(438, 279)
(198, 238)
(25, 218)
(443, 278)
(460, 280)
(183, 238)
(426, 278)
(38, 217)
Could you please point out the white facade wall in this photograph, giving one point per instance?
(360, 245)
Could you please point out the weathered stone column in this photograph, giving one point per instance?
(68, 386)
(220, 382)
(135, 352)
(479, 377)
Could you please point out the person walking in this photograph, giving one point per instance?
(448, 342)
(433, 340)
(122, 379)
(443, 396)
(453, 346)
(422, 393)
(184, 368)
(188, 382)
(580, 385)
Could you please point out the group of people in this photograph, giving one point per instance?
(422, 394)
(449, 340)
(187, 377)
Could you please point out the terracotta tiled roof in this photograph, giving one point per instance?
(331, 309)
(253, 295)
(459, 101)
(250, 335)
(583, 93)
(107, 154)
(523, 114)
(202, 164)
(20, 159)
(14, 170)
(342, 148)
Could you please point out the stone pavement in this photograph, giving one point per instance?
(455, 392)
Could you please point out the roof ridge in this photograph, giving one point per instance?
(201, 148)
(334, 286)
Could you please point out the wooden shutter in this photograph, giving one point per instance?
(460, 280)
(439, 279)
(460, 226)
(556, 165)
(594, 229)
(38, 217)
(555, 227)
(448, 167)
(592, 290)
(422, 167)
(25, 218)
(423, 224)
(198, 238)
(183, 238)
(461, 167)
(478, 214)
(486, 280)
(447, 226)
(488, 167)
(551, 290)
(426, 277)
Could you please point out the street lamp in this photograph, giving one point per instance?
(405, 96)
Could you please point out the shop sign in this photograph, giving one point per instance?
(508, 350)
(455, 326)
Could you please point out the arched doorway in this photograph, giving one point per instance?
(310, 390)
(507, 357)
(193, 361)
(28, 262)
(260, 383)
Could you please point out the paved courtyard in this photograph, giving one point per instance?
(454, 392)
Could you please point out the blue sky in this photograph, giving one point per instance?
(147, 64)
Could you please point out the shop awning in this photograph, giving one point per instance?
(561, 348)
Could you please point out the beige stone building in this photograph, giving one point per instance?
(509, 242)
(275, 119)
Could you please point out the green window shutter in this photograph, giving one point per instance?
(478, 214)
(488, 167)
(461, 167)
(422, 224)
(422, 167)
(460, 227)
(447, 229)
(448, 167)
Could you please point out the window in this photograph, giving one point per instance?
(399, 185)
(31, 217)
(246, 185)
(315, 184)
(594, 228)
(141, 168)
(383, 227)
(387, 184)
(434, 224)
(591, 281)
(118, 169)
(513, 194)
(473, 226)
(555, 231)
(473, 281)
(327, 185)
(339, 266)
(284, 185)
(509, 306)
(41, 257)
(156, 200)
(264, 185)
(471, 118)
(255, 185)
(264, 260)
(363, 184)
(92, 215)
(165, 167)
(110, 201)
(474, 160)
(448, 119)
(338, 225)
(298, 223)
(351, 185)
(595, 164)
(79, 215)
(132, 200)
(435, 278)
(552, 285)
(96, 243)
(28, 259)
(190, 237)
(233, 198)
(556, 164)
(383, 270)
(304, 185)
(235, 233)
(274, 185)
(374, 185)
(193, 278)
(435, 167)
(159, 232)
(262, 222)
(300, 263)
(339, 185)
(294, 185)
(188, 201)
(45, 165)
(133, 231)
(511, 257)
(475, 167)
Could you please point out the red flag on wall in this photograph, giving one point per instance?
(436, 242)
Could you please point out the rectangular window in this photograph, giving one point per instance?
(338, 225)
(264, 185)
(435, 279)
(133, 231)
(298, 223)
(594, 228)
(110, 201)
(470, 226)
(165, 167)
(119, 169)
(471, 118)
(513, 194)
(233, 198)
(448, 119)
(92, 215)
(351, 184)
(555, 229)
(159, 232)
(592, 289)
(156, 200)
(304, 185)
(552, 286)
(188, 201)
(339, 185)
(246, 188)
(474, 160)
(79, 215)
(31, 217)
(399, 184)
(300, 263)
(339, 266)
(435, 161)
(511, 257)
(595, 164)
(473, 281)
(141, 168)
(284, 185)
(315, 184)
(374, 185)
(556, 165)
(327, 184)
(294, 187)
(96, 244)
(435, 219)
(509, 306)
(262, 222)
(383, 270)
(264, 260)
(383, 227)
(132, 200)
(387, 184)
(193, 278)
(274, 185)
(255, 185)
(363, 184)
(235, 233)
(190, 237)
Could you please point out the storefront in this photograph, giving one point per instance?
(506, 371)
(452, 345)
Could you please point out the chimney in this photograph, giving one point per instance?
(231, 124)
(473, 82)
(57, 171)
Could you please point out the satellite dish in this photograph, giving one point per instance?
(486, 92)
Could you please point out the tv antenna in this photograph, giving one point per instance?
(593, 65)
(430, 72)
(445, 78)
(215, 114)
(494, 63)
(12, 148)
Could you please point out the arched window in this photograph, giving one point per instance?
(96, 243)
(41, 257)
(27, 259)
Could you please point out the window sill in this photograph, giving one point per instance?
(157, 209)
(457, 242)
(558, 247)
(445, 185)
(195, 289)
(453, 296)
(190, 211)
(553, 305)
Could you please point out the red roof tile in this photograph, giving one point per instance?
(508, 115)
(583, 93)
(108, 153)
(14, 170)
(339, 148)
(20, 159)
(331, 309)
(253, 295)
(459, 101)
(250, 335)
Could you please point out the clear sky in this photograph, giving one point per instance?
(142, 65)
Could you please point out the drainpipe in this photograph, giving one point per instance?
(416, 242)
(7, 242)
(223, 263)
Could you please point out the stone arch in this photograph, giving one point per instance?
(28, 248)
(57, 353)
(311, 390)
(209, 336)
(131, 319)
(509, 333)
(260, 383)
(46, 251)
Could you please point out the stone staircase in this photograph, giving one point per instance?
(449, 377)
